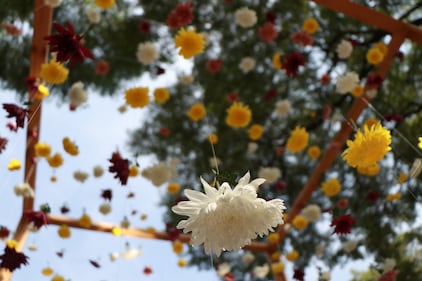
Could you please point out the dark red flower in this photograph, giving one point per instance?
(60, 254)
(299, 275)
(325, 79)
(400, 55)
(343, 224)
(120, 167)
(389, 276)
(11, 29)
(373, 81)
(173, 232)
(165, 132)
(94, 263)
(267, 32)
(372, 196)
(102, 67)
(214, 66)
(68, 45)
(292, 63)
(16, 112)
(3, 143)
(12, 260)
(130, 195)
(270, 94)
(181, 15)
(159, 70)
(229, 276)
(354, 42)
(270, 17)
(4, 232)
(342, 203)
(144, 27)
(398, 118)
(64, 209)
(147, 270)
(281, 185)
(302, 38)
(32, 84)
(107, 194)
(37, 218)
(232, 97)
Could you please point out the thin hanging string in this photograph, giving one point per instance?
(214, 156)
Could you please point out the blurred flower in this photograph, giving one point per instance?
(342, 224)
(24, 189)
(344, 49)
(350, 245)
(347, 83)
(57, 278)
(181, 15)
(161, 95)
(160, 173)
(164, 131)
(105, 4)
(147, 53)
(393, 196)
(255, 132)
(370, 170)
(270, 174)
(173, 188)
(4, 232)
(388, 265)
(3, 143)
(270, 95)
(17, 112)
(223, 269)
(358, 91)
(14, 165)
(80, 176)
(186, 79)
(292, 255)
(102, 67)
(41, 92)
(373, 81)
(11, 259)
(252, 147)
(144, 27)
(314, 152)
(11, 29)
(85, 221)
(325, 79)
(311, 212)
(214, 66)
(299, 274)
(213, 138)
(374, 56)
(310, 25)
(298, 139)
(238, 115)
(104, 208)
(245, 17)
(292, 62)
(64, 231)
(302, 38)
(196, 112)
(120, 166)
(228, 219)
(277, 267)
(276, 60)
(182, 262)
(133, 171)
(331, 187)
(325, 276)
(55, 160)
(137, 97)
(261, 271)
(267, 32)
(98, 171)
(247, 64)
(282, 108)
(70, 147)
(93, 15)
(190, 42)
(36, 218)
(300, 222)
(47, 271)
(77, 94)
(248, 258)
(389, 276)
(342, 203)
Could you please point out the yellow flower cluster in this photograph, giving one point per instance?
(298, 140)
(314, 152)
(331, 187)
(190, 43)
(238, 115)
(255, 132)
(196, 112)
(54, 72)
(14, 165)
(70, 147)
(300, 222)
(173, 188)
(161, 95)
(137, 97)
(310, 26)
(55, 160)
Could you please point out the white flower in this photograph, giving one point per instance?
(388, 265)
(93, 14)
(214, 162)
(114, 256)
(98, 171)
(248, 258)
(349, 246)
(223, 269)
(247, 64)
(261, 271)
(80, 176)
(147, 52)
(282, 108)
(130, 254)
(226, 219)
(326, 276)
(77, 94)
(186, 79)
(347, 82)
(53, 3)
(245, 17)
(344, 49)
(312, 212)
(24, 190)
(252, 147)
(270, 174)
(160, 173)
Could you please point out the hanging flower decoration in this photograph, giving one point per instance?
(37, 218)
(11, 259)
(343, 224)
(16, 112)
(238, 115)
(3, 143)
(190, 43)
(292, 62)
(119, 166)
(181, 15)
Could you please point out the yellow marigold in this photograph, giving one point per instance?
(55, 160)
(310, 26)
(238, 115)
(382, 47)
(42, 92)
(70, 147)
(275, 256)
(292, 255)
(402, 178)
(14, 165)
(300, 222)
(314, 152)
(190, 42)
(393, 197)
(161, 95)
(85, 221)
(173, 188)
(177, 247)
(357, 91)
(47, 271)
(213, 138)
(277, 60)
(182, 263)
(137, 97)
(420, 143)
(331, 187)
(368, 147)
(273, 238)
(298, 140)
(64, 231)
(255, 132)
(116, 231)
(105, 4)
(54, 72)
(57, 278)
(42, 149)
(374, 56)
(277, 267)
(133, 171)
(196, 112)
(370, 122)
(370, 170)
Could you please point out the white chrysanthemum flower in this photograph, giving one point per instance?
(326, 276)
(388, 265)
(53, 3)
(160, 173)
(261, 271)
(349, 246)
(228, 219)
(24, 190)
(80, 176)
(248, 258)
(252, 147)
(347, 83)
(98, 171)
(312, 212)
(245, 17)
(282, 108)
(77, 94)
(247, 64)
(147, 52)
(344, 49)
(270, 174)
(186, 79)
(223, 269)
(93, 14)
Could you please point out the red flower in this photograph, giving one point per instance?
(325, 79)
(64, 209)
(389, 276)
(68, 45)
(11, 29)
(267, 32)
(144, 27)
(16, 112)
(107, 194)
(173, 232)
(232, 97)
(181, 15)
(281, 185)
(292, 63)
(394, 117)
(165, 132)
(229, 276)
(159, 70)
(12, 260)
(120, 167)
(302, 38)
(343, 224)
(270, 95)
(102, 67)
(37, 218)
(299, 275)
(32, 84)
(270, 17)
(4, 232)
(214, 66)
(374, 81)
(372, 196)
(342, 203)
(147, 270)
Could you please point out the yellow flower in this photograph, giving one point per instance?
(105, 4)
(190, 42)
(402, 178)
(420, 143)
(238, 115)
(85, 221)
(370, 122)
(151, 230)
(137, 97)
(42, 149)
(277, 267)
(357, 91)
(213, 138)
(70, 147)
(298, 140)
(275, 256)
(277, 60)
(314, 152)
(310, 26)
(374, 56)
(161, 95)
(255, 132)
(196, 112)
(143, 217)
(55, 161)
(47, 271)
(300, 222)
(292, 255)
(182, 263)
(133, 171)
(42, 92)
(11, 244)
(116, 231)
(393, 197)
(54, 72)
(331, 187)
(57, 278)
(382, 47)
(370, 170)
(173, 188)
(177, 247)
(368, 147)
(53, 179)
(14, 165)
(64, 231)
(273, 238)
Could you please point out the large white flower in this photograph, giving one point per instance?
(226, 219)
(347, 82)
(147, 52)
